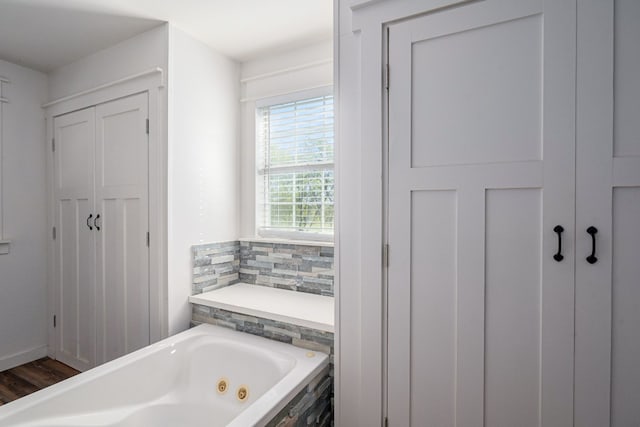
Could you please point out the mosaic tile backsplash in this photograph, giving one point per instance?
(215, 265)
(302, 268)
(299, 336)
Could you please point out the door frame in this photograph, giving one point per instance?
(153, 83)
(359, 30)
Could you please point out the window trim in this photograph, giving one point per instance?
(267, 232)
(4, 244)
(293, 96)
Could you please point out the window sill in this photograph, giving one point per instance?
(297, 308)
(301, 236)
(287, 241)
(4, 246)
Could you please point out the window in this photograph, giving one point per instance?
(295, 181)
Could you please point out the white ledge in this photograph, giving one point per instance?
(4, 246)
(279, 240)
(156, 70)
(297, 308)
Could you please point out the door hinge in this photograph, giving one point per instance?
(386, 422)
(147, 126)
(385, 255)
(147, 239)
(54, 233)
(386, 76)
(54, 320)
(53, 144)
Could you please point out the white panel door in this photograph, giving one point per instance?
(122, 266)
(74, 254)
(607, 389)
(481, 171)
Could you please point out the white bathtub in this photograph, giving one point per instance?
(174, 383)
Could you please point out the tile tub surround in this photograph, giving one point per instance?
(299, 336)
(215, 265)
(296, 267)
(310, 407)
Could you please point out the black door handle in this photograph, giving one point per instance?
(591, 259)
(89, 219)
(558, 256)
(95, 222)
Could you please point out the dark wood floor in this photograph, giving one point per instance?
(31, 377)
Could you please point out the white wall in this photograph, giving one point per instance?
(137, 54)
(296, 70)
(203, 172)
(23, 292)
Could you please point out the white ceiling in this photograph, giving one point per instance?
(46, 34)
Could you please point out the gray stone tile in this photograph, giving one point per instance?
(303, 268)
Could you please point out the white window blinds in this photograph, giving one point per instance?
(295, 166)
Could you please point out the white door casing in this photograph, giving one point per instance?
(481, 170)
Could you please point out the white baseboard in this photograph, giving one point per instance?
(18, 359)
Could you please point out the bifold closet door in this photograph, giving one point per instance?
(74, 135)
(481, 171)
(122, 256)
(607, 390)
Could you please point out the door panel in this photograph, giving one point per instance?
(492, 75)
(625, 333)
(433, 338)
(122, 201)
(74, 149)
(512, 307)
(481, 131)
(75, 263)
(626, 57)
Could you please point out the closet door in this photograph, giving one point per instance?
(481, 171)
(74, 135)
(607, 389)
(122, 202)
